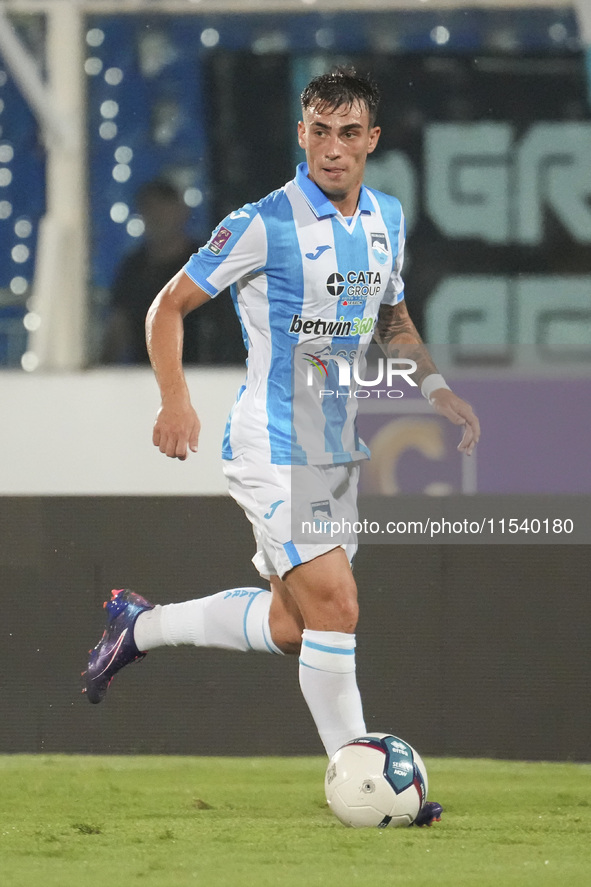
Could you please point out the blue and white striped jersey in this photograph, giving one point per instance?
(307, 284)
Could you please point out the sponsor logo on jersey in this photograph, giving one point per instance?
(318, 252)
(356, 285)
(219, 240)
(273, 508)
(379, 247)
(335, 284)
(322, 326)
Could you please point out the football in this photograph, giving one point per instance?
(376, 780)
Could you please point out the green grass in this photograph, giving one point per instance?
(171, 822)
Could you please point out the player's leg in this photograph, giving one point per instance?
(285, 620)
(325, 592)
(326, 595)
(317, 577)
(235, 619)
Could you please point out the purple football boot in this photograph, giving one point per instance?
(430, 813)
(117, 647)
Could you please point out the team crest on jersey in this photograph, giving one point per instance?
(218, 242)
(379, 247)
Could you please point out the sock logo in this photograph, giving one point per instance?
(273, 509)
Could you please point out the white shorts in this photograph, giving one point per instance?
(286, 504)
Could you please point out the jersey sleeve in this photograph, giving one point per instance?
(395, 288)
(236, 248)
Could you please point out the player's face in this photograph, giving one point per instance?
(337, 144)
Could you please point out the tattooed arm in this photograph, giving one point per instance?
(398, 337)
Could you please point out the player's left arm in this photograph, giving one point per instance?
(397, 335)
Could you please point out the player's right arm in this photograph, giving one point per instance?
(177, 425)
(237, 247)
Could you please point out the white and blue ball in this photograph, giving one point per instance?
(377, 780)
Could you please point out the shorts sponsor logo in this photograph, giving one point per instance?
(219, 240)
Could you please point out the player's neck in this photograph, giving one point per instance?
(347, 206)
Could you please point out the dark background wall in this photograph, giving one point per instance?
(463, 650)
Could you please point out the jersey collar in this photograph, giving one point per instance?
(319, 202)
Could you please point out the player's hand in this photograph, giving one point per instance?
(176, 430)
(458, 411)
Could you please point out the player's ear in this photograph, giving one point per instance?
(374, 135)
(302, 134)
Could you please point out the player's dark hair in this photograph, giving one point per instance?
(342, 86)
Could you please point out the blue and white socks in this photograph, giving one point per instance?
(329, 686)
(237, 619)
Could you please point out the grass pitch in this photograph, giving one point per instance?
(171, 822)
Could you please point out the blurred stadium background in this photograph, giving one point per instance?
(486, 139)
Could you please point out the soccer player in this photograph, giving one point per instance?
(284, 257)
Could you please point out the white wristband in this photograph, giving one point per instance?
(432, 383)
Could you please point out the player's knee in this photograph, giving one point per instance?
(334, 613)
(342, 605)
(347, 615)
